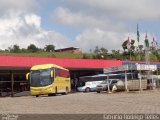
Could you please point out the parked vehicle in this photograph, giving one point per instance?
(89, 86)
(103, 86)
(49, 79)
(94, 78)
(99, 77)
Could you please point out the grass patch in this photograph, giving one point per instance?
(45, 54)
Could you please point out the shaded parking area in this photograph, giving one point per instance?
(85, 103)
(13, 81)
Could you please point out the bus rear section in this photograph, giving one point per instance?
(49, 79)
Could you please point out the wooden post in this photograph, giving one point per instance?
(12, 84)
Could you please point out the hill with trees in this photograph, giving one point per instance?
(129, 53)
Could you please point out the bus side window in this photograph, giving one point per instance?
(67, 74)
(57, 72)
(61, 73)
(64, 73)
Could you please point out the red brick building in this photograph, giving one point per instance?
(70, 50)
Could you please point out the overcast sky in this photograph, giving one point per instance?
(78, 23)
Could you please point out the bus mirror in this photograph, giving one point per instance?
(52, 74)
(27, 76)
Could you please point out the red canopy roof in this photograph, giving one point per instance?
(16, 61)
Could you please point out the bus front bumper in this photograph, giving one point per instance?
(41, 90)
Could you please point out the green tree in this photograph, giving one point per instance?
(49, 48)
(140, 48)
(116, 52)
(97, 50)
(125, 45)
(14, 49)
(116, 55)
(104, 50)
(101, 53)
(153, 57)
(32, 48)
(130, 47)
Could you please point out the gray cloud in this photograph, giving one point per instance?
(7, 6)
(91, 38)
(82, 21)
(120, 9)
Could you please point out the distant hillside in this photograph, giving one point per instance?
(44, 54)
(107, 56)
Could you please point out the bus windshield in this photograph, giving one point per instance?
(41, 78)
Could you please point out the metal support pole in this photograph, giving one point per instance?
(126, 86)
(108, 84)
(147, 59)
(12, 84)
(139, 52)
(129, 54)
(140, 81)
(153, 82)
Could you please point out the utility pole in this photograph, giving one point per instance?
(147, 58)
(138, 37)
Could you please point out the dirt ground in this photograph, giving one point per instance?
(85, 103)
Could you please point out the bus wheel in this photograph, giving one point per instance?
(66, 92)
(98, 91)
(37, 95)
(87, 90)
(52, 94)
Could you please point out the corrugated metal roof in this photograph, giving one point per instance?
(17, 61)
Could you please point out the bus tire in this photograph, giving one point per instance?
(66, 92)
(98, 91)
(54, 94)
(37, 95)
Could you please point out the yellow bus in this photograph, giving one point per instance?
(48, 79)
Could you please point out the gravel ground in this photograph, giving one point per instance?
(84, 103)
